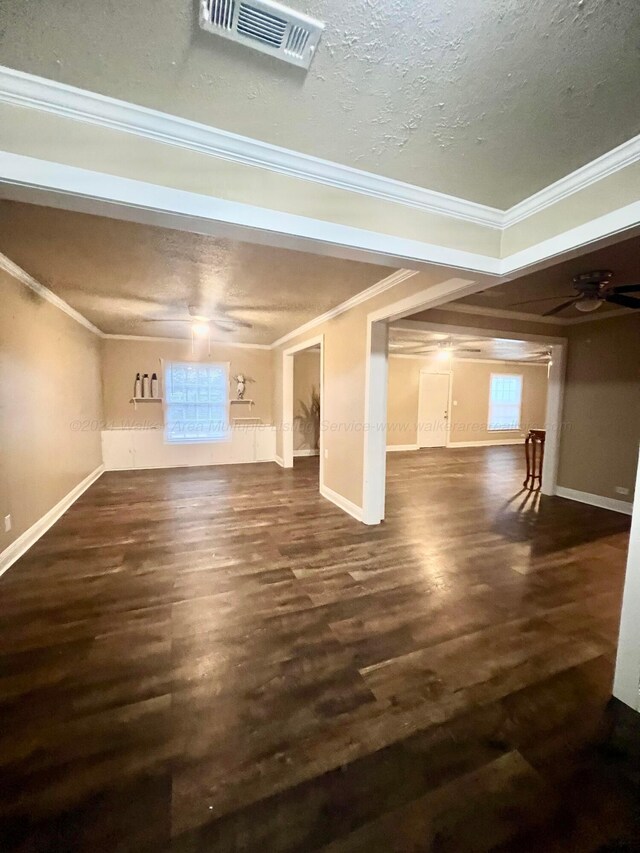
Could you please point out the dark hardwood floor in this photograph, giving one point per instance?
(217, 659)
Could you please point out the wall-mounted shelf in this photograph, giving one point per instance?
(242, 401)
(136, 400)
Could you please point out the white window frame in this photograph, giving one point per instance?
(193, 431)
(493, 376)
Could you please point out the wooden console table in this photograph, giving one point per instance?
(534, 454)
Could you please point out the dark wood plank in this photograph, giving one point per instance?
(218, 659)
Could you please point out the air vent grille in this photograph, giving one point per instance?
(266, 26)
(261, 26)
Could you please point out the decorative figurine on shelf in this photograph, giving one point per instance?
(241, 384)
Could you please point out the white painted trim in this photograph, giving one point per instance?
(346, 505)
(27, 90)
(401, 447)
(305, 451)
(375, 401)
(492, 442)
(278, 460)
(18, 88)
(626, 685)
(235, 344)
(375, 289)
(30, 536)
(287, 418)
(37, 181)
(608, 164)
(625, 507)
(615, 222)
(33, 284)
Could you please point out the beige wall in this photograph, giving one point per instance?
(50, 406)
(306, 377)
(122, 359)
(601, 417)
(470, 389)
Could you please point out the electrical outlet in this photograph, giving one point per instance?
(621, 490)
(326, 453)
(7, 523)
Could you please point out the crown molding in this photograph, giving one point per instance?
(363, 296)
(20, 275)
(27, 90)
(618, 158)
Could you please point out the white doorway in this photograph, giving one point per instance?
(288, 413)
(433, 409)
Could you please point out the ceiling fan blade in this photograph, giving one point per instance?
(626, 301)
(626, 288)
(561, 307)
(466, 349)
(165, 320)
(541, 299)
(231, 325)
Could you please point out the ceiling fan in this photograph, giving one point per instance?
(441, 349)
(201, 321)
(591, 290)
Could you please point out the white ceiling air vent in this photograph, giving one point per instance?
(265, 26)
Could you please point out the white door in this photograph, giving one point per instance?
(433, 402)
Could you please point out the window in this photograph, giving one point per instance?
(196, 402)
(505, 400)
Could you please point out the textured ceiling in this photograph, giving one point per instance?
(623, 259)
(405, 342)
(489, 100)
(117, 273)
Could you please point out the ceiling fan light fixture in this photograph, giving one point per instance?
(587, 305)
(444, 354)
(200, 329)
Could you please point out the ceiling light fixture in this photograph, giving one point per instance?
(588, 304)
(200, 329)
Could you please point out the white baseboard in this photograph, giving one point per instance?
(401, 447)
(490, 443)
(625, 507)
(306, 451)
(342, 502)
(22, 544)
(278, 460)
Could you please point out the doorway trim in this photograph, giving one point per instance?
(287, 420)
(376, 379)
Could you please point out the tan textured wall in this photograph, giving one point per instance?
(122, 359)
(50, 406)
(306, 376)
(470, 388)
(599, 445)
(471, 383)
